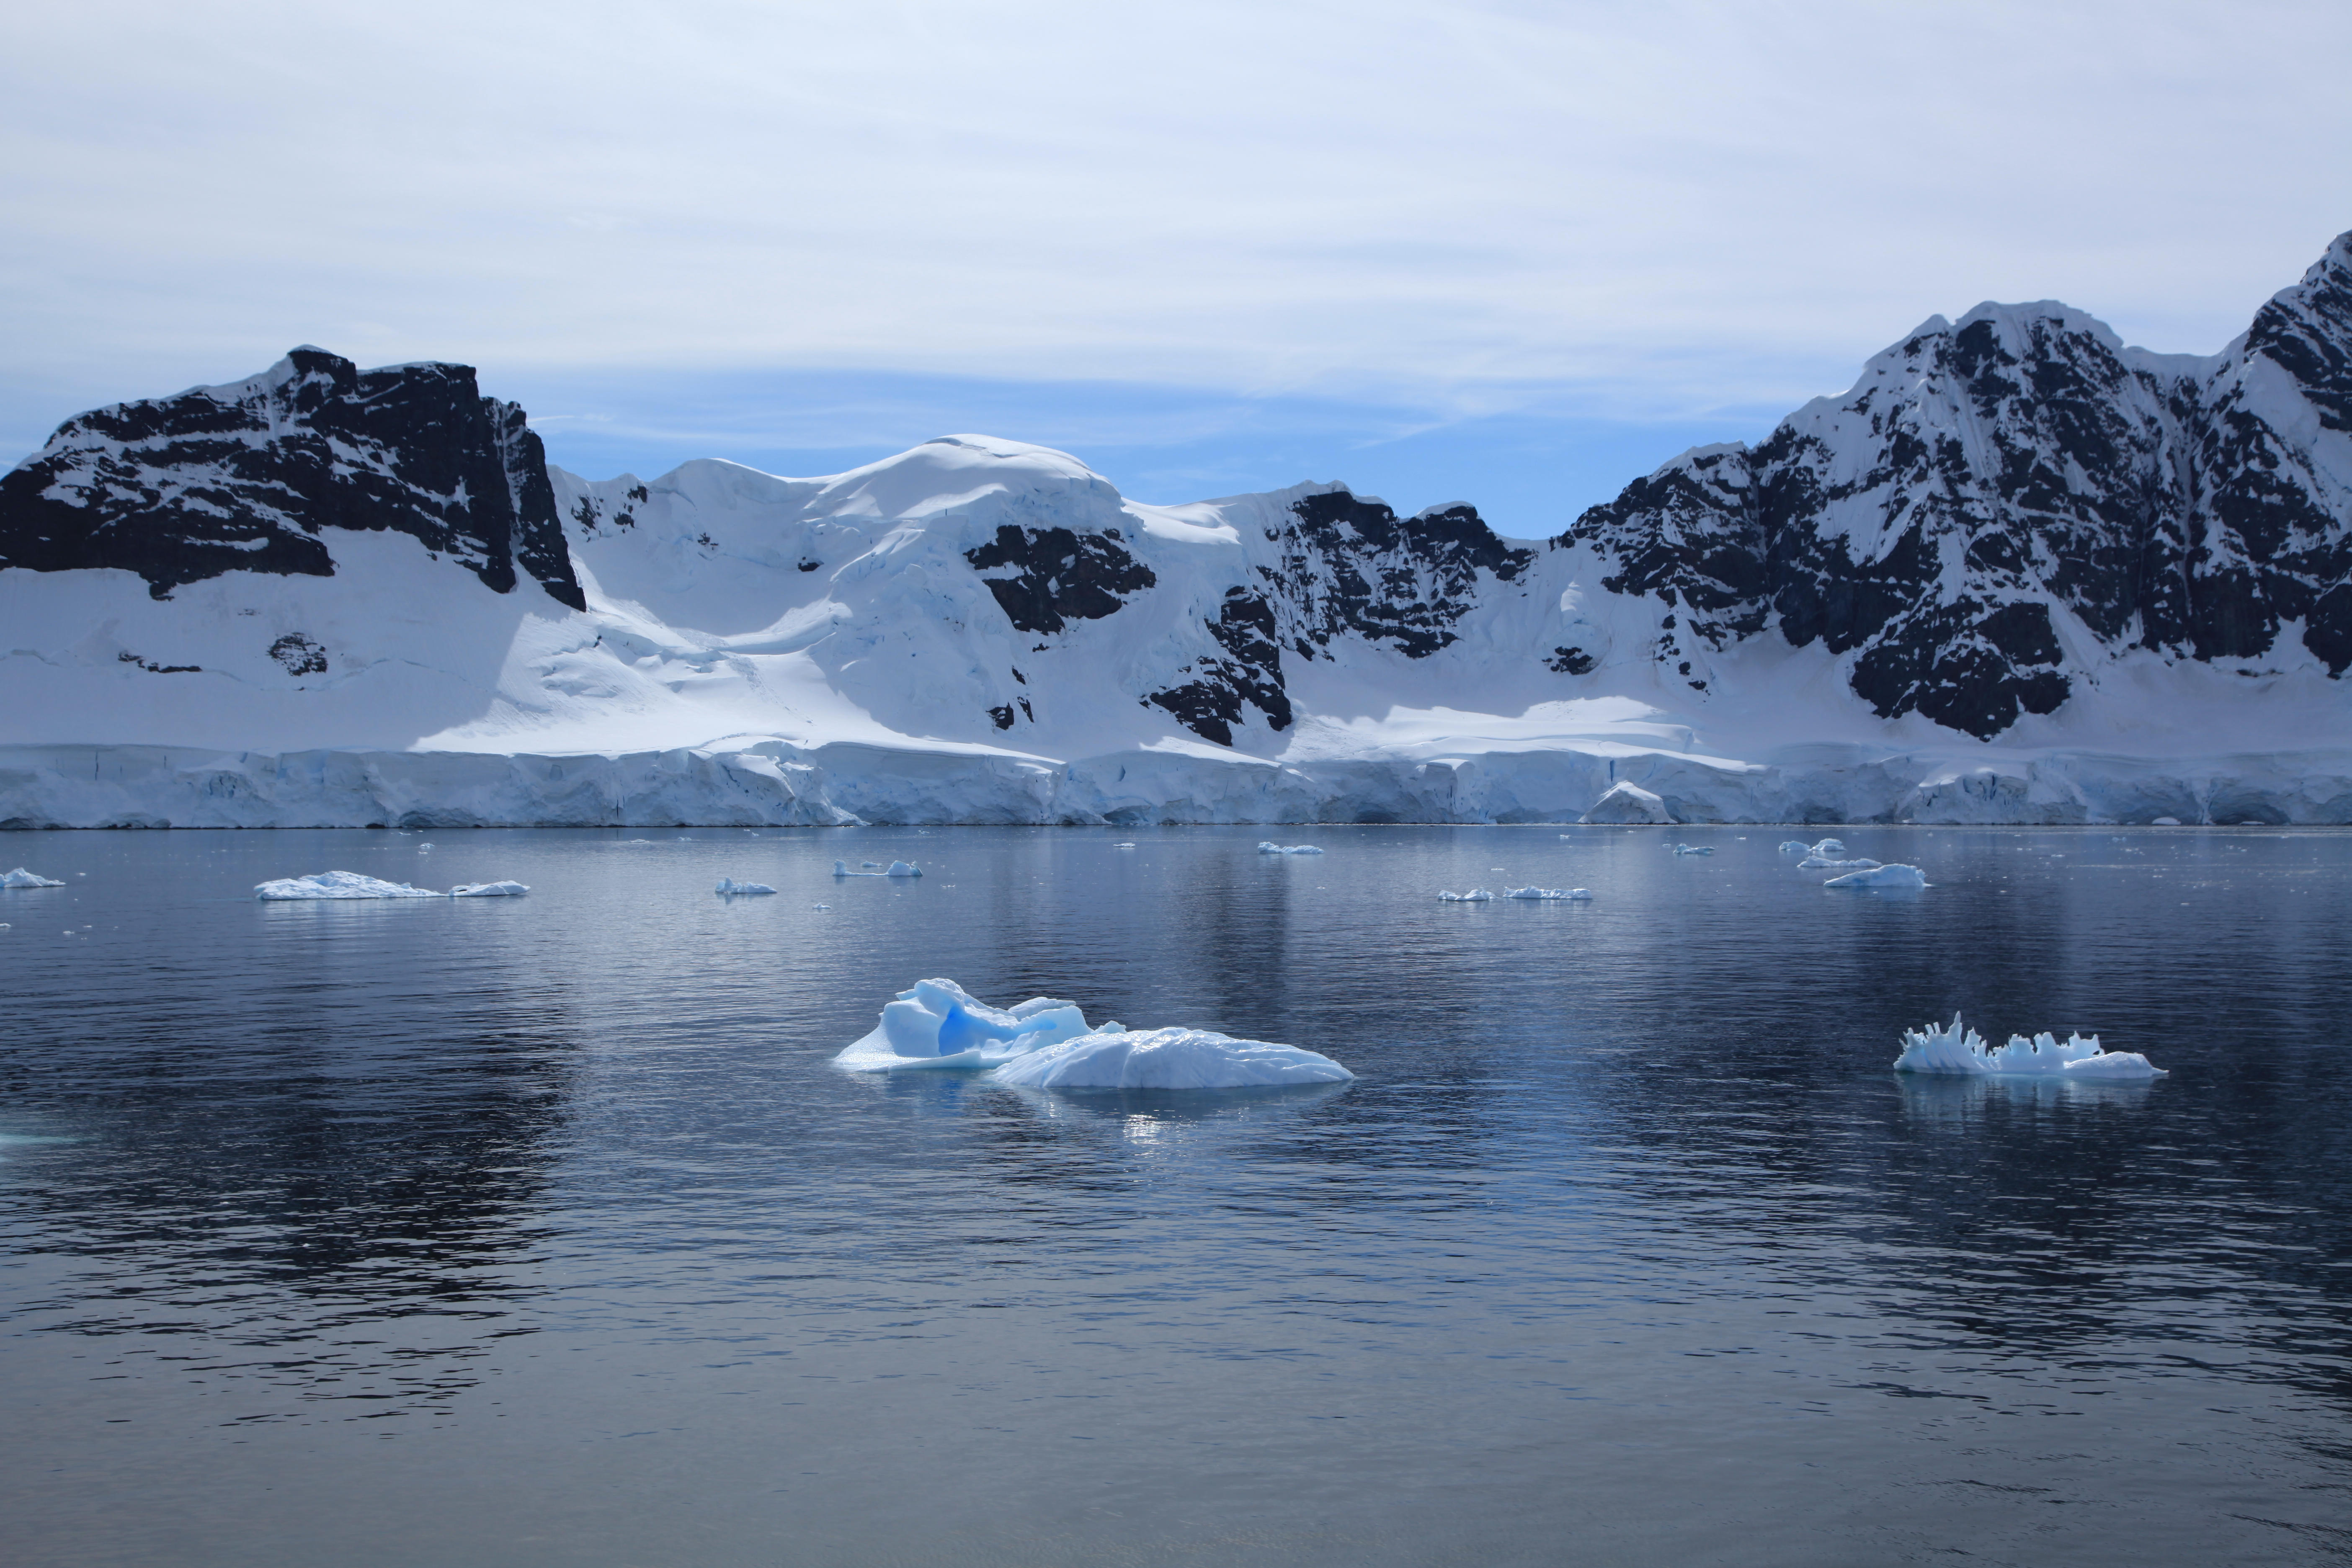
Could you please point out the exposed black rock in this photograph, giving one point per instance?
(242, 478)
(1980, 477)
(1058, 577)
(1248, 672)
(1353, 566)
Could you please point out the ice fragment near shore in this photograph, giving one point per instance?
(339, 885)
(1959, 1051)
(732, 889)
(1267, 846)
(20, 877)
(1881, 877)
(1168, 1058)
(1628, 803)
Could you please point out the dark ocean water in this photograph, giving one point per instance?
(540, 1231)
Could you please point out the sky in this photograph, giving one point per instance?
(1512, 254)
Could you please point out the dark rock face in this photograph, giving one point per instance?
(1352, 565)
(1249, 671)
(1983, 476)
(242, 478)
(1058, 577)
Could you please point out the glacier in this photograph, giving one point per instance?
(1959, 1051)
(982, 630)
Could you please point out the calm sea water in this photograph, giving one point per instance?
(541, 1232)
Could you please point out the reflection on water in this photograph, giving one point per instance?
(542, 1230)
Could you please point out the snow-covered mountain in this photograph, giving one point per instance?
(2020, 572)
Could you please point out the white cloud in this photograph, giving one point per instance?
(1665, 207)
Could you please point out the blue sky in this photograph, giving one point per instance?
(1513, 254)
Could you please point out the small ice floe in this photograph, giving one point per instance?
(1815, 863)
(1578, 895)
(1795, 847)
(2165, 821)
(1881, 877)
(339, 885)
(488, 891)
(1267, 846)
(1047, 1044)
(20, 877)
(821, 907)
(1959, 1051)
(730, 888)
(1122, 845)
(1694, 848)
(1474, 896)
(1168, 1058)
(874, 869)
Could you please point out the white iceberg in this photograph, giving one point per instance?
(1048, 1043)
(1575, 894)
(339, 885)
(1960, 1052)
(1474, 896)
(938, 1024)
(1267, 846)
(1629, 803)
(20, 877)
(897, 868)
(1694, 849)
(733, 889)
(1881, 877)
(1795, 847)
(1828, 848)
(1815, 863)
(1168, 1058)
(488, 891)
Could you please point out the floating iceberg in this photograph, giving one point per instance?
(1122, 845)
(1629, 803)
(1694, 849)
(1574, 894)
(488, 891)
(1795, 847)
(1960, 1051)
(938, 1024)
(1267, 846)
(1828, 848)
(1474, 896)
(20, 877)
(1881, 877)
(339, 885)
(731, 888)
(1048, 1043)
(898, 868)
(1815, 863)
(1168, 1058)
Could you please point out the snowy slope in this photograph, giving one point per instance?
(2019, 573)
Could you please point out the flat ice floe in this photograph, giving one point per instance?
(20, 877)
(1881, 877)
(1815, 863)
(1474, 896)
(339, 885)
(733, 889)
(352, 885)
(1569, 895)
(1694, 848)
(1960, 1052)
(1168, 1058)
(875, 869)
(1268, 846)
(1047, 1043)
